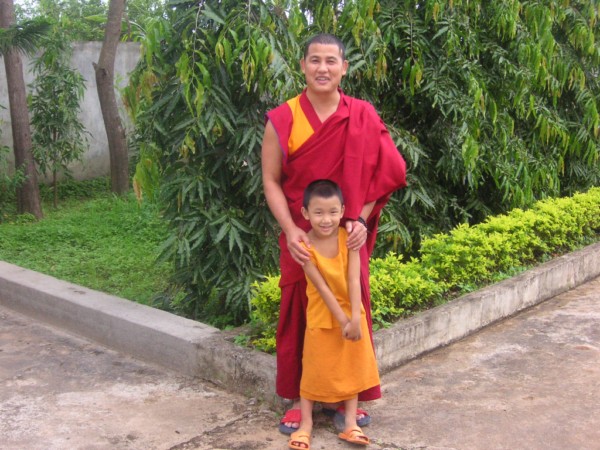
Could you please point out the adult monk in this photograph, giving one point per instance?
(323, 134)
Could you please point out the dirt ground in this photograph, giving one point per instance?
(529, 382)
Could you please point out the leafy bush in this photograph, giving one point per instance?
(492, 103)
(474, 254)
(467, 256)
(59, 137)
(398, 287)
(265, 312)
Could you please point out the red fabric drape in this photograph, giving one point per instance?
(354, 149)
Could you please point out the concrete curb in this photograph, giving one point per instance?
(146, 333)
(450, 322)
(195, 349)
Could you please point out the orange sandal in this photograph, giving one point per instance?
(299, 440)
(354, 436)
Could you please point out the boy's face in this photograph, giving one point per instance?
(324, 214)
(323, 67)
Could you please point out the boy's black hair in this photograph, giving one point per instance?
(326, 39)
(323, 189)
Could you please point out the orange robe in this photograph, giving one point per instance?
(334, 369)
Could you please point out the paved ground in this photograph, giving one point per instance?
(530, 382)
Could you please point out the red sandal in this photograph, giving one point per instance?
(291, 415)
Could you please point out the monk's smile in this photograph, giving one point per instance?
(323, 68)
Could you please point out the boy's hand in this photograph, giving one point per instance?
(352, 330)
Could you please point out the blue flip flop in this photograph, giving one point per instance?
(339, 418)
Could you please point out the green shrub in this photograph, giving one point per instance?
(397, 288)
(475, 254)
(467, 256)
(493, 104)
(265, 312)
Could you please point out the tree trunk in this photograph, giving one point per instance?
(105, 75)
(28, 194)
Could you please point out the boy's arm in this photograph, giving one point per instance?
(317, 279)
(352, 330)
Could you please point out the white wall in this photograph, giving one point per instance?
(96, 159)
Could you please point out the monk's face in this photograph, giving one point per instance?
(323, 68)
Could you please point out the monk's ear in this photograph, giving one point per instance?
(304, 213)
(302, 62)
(345, 67)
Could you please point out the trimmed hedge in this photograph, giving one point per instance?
(449, 264)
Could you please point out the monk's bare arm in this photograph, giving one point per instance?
(271, 176)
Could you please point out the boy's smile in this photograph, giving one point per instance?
(324, 215)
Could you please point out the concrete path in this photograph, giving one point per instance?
(529, 382)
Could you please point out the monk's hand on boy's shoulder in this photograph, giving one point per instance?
(297, 243)
(357, 234)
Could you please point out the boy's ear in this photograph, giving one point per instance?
(304, 212)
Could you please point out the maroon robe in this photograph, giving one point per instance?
(354, 149)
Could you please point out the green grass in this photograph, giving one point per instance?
(93, 239)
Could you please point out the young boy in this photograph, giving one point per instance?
(338, 359)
